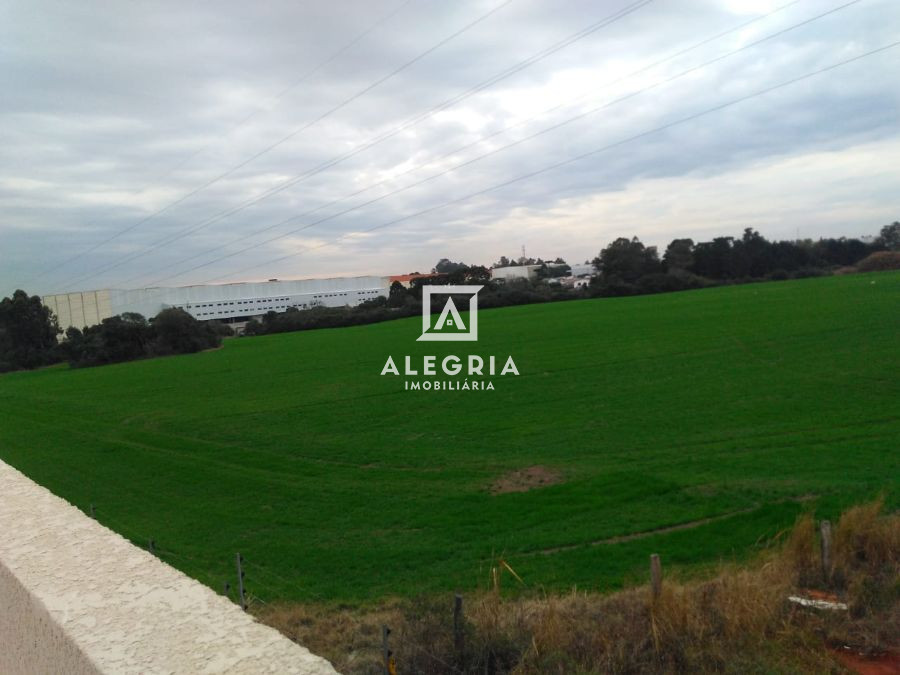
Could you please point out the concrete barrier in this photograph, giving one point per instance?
(77, 598)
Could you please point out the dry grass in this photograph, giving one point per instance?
(739, 621)
(880, 261)
(526, 479)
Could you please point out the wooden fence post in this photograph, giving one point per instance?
(385, 650)
(825, 530)
(655, 576)
(458, 625)
(240, 573)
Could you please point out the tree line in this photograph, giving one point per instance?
(627, 267)
(29, 336)
(624, 267)
(29, 331)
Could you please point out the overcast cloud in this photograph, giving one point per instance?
(112, 112)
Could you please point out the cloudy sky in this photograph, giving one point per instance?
(164, 143)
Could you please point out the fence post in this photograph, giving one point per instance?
(93, 515)
(240, 573)
(825, 530)
(655, 576)
(385, 650)
(151, 546)
(458, 625)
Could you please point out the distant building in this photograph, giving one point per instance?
(515, 272)
(231, 303)
(585, 270)
(406, 280)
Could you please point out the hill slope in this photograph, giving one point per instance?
(728, 409)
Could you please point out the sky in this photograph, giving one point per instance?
(167, 144)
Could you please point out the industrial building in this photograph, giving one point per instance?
(230, 303)
(582, 270)
(515, 272)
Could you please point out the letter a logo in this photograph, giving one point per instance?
(453, 321)
(450, 326)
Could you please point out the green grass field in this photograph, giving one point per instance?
(748, 403)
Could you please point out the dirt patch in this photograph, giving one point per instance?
(523, 480)
(883, 663)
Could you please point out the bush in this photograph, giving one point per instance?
(118, 338)
(659, 282)
(221, 329)
(128, 337)
(881, 261)
(177, 332)
(808, 272)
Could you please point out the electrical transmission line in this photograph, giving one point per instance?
(274, 100)
(570, 160)
(409, 123)
(302, 128)
(500, 149)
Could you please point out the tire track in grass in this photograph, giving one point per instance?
(689, 525)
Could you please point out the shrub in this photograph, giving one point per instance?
(881, 261)
(177, 332)
(128, 336)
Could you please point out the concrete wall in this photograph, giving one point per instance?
(84, 308)
(515, 272)
(583, 270)
(77, 598)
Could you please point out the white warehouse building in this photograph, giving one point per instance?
(231, 303)
(515, 272)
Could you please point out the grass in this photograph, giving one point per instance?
(738, 620)
(744, 405)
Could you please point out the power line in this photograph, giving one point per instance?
(371, 143)
(273, 101)
(462, 148)
(304, 127)
(365, 146)
(495, 151)
(572, 160)
(396, 130)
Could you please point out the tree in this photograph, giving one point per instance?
(841, 251)
(446, 266)
(28, 332)
(125, 337)
(554, 270)
(627, 260)
(753, 255)
(397, 295)
(177, 332)
(890, 236)
(477, 274)
(714, 259)
(679, 255)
